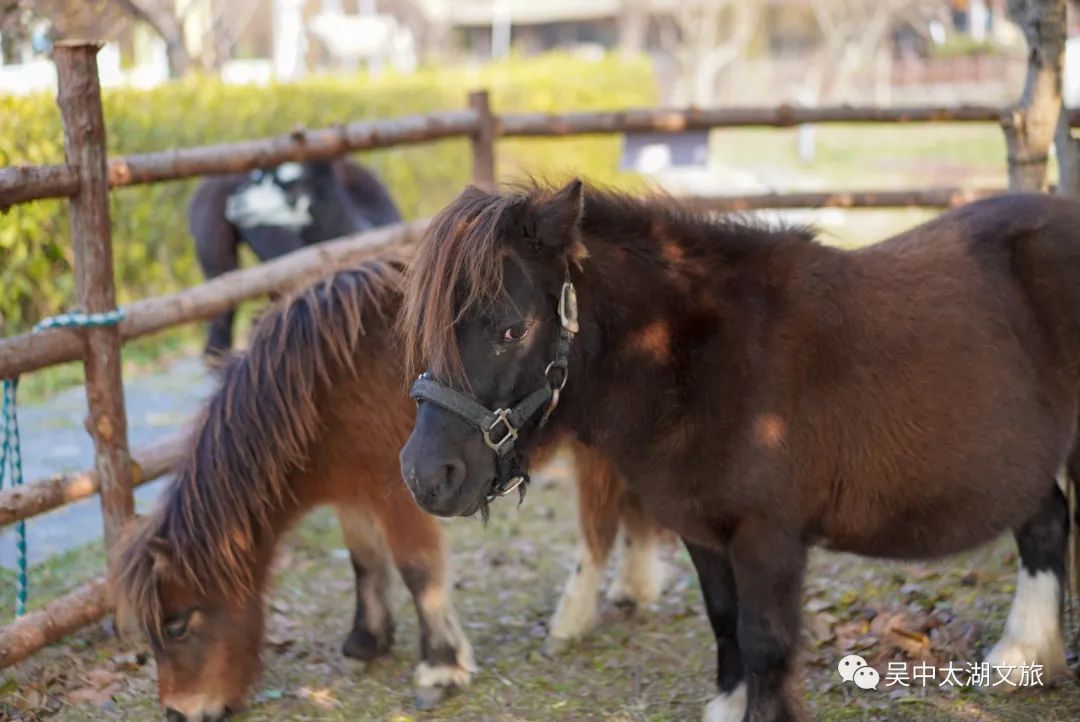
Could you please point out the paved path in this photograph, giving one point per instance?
(54, 441)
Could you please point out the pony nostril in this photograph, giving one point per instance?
(454, 473)
(172, 715)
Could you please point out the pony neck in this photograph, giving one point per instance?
(659, 284)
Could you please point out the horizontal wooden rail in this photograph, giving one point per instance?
(30, 351)
(299, 145)
(20, 184)
(54, 621)
(23, 183)
(929, 198)
(38, 497)
(675, 120)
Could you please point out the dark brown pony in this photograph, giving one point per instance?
(279, 210)
(314, 414)
(763, 393)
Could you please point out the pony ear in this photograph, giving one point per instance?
(557, 219)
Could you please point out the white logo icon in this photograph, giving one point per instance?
(867, 678)
(849, 665)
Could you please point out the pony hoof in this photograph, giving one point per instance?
(364, 646)
(425, 698)
(730, 707)
(555, 646)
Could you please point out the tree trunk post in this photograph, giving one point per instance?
(1031, 125)
(483, 141)
(79, 99)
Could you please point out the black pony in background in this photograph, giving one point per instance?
(279, 210)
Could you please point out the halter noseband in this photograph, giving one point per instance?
(500, 427)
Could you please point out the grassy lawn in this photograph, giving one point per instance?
(653, 665)
(849, 156)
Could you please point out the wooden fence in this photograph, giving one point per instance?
(87, 176)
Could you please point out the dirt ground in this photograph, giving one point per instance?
(654, 664)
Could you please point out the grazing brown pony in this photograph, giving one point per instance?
(314, 414)
(311, 414)
(763, 393)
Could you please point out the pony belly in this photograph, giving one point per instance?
(907, 534)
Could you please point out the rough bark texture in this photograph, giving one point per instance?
(299, 145)
(23, 502)
(30, 351)
(483, 141)
(58, 181)
(84, 146)
(1030, 126)
(52, 622)
(932, 198)
(22, 183)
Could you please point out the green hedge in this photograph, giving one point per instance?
(153, 251)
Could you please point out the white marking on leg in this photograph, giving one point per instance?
(576, 612)
(730, 707)
(1033, 629)
(641, 571)
(443, 628)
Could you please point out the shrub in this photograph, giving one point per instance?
(153, 251)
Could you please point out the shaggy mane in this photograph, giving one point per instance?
(255, 432)
(458, 264)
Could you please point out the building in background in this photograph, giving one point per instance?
(731, 52)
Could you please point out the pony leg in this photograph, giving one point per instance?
(417, 547)
(598, 522)
(219, 335)
(641, 571)
(718, 587)
(768, 567)
(216, 241)
(1033, 629)
(373, 626)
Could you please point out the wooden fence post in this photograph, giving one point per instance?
(483, 141)
(1030, 126)
(79, 98)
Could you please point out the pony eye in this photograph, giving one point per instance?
(177, 628)
(515, 333)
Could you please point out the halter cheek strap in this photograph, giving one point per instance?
(500, 427)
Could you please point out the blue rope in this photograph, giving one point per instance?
(10, 447)
(10, 454)
(78, 319)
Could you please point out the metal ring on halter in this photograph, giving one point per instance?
(547, 374)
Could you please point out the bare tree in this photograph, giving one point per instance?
(227, 24)
(161, 16)
(708, 36)
(855, 37)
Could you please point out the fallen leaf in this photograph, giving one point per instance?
(100, 685)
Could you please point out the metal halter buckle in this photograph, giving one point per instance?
(568, 315)
(502, 416)
(514, 483)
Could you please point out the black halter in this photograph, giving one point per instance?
(500, 427)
